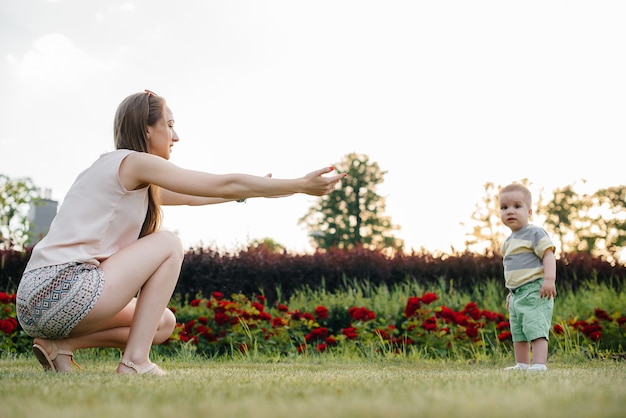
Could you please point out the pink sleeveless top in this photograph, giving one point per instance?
(98, 217)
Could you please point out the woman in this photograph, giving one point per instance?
(104, 273)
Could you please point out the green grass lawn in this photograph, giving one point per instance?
(314, 386)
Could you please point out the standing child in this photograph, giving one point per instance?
(530, 276)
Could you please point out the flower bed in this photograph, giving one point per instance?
(222, 326)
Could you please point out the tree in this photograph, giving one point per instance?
(15, 197)
(353, 215)
(594, 224)
(566, 220)
(486, 232)
(612, 220)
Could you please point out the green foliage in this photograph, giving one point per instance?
(612, 222)
(366, 321)
(353, 215)
(12, 338)
(15, 197)
(217, 326)
(563, 217)
(278, 275)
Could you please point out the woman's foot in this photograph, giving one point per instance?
(53, 358)
(128, 367)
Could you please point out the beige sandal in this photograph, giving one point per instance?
(47, 359)
(150, 368)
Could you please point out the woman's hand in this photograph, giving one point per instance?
(318, 185)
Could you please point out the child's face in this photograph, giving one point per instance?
(514, 210)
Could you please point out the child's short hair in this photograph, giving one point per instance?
(516, 187)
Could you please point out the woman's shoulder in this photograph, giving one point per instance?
(118, 153)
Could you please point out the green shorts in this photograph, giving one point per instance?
(530, 315)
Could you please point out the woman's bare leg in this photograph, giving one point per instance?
(150, 266)
(115, 335)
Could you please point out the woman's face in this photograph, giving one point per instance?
(162, 136)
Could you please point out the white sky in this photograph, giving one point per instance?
(444, 95)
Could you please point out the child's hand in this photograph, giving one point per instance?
(548, 290)
(508, 298)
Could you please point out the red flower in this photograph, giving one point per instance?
(429, 298)
(601, 314)
(189, 326)
(283, 308)
(278, 322)
(217, 295)
(361, 314)
(317, 334)
(195, 302)
(595, 335)
(264, 316)
(472, 310)
(321, 347)
(8, 325)
(202, 330)
(350, 333)
(504, 336)
(503, 325)
(221, 318)
(592, 329)
(493, 316)
(321, 312)
(430, 324)
(472, 331)
(261, 298)
(7, 298)
(412, 305)
(259, 307)
(331, 340)
(558, 329)
(447, 313)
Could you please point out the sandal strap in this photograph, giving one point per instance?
(71, 354)
(150, 368)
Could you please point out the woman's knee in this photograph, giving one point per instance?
(166, 327)
(172, 242)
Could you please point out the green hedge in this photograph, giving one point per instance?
(260, 270)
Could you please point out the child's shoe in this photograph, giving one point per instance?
(518, 366)
(538, 368)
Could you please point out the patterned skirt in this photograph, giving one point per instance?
(52, 300)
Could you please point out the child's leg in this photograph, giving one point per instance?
(522, 352)
(540, 351)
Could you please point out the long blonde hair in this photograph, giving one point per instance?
(133, 116)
